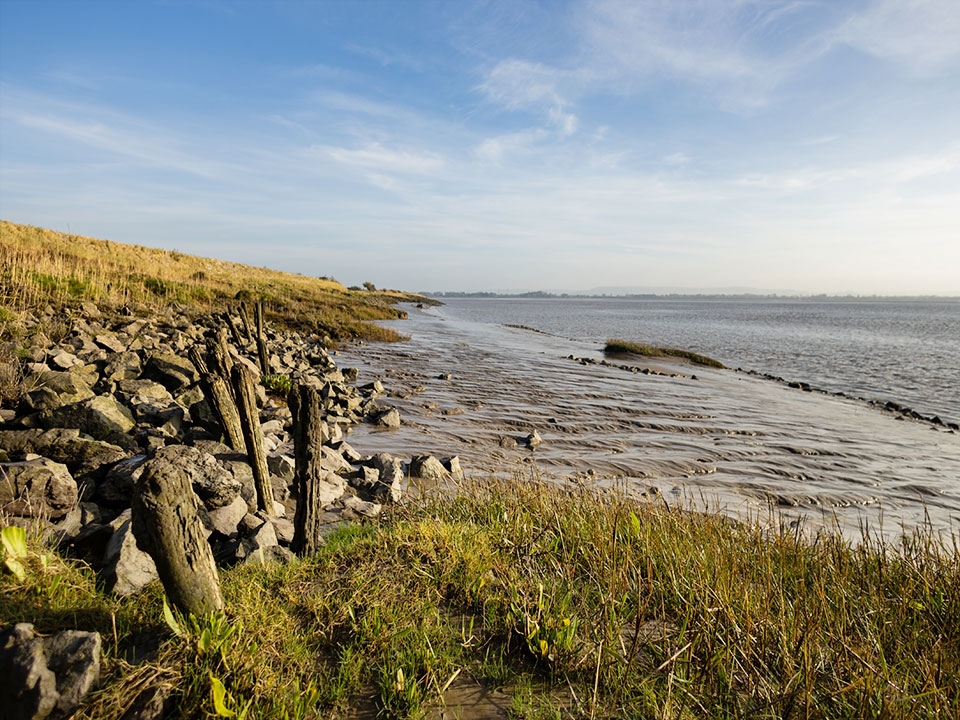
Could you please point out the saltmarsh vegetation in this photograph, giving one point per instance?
(617, 346)
(41, 267)
(560, 600)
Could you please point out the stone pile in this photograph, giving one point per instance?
(110, 396)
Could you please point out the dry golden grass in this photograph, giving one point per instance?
(41, 267)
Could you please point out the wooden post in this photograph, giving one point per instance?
(218, 352)
(225, 317)
(252, 435)
(304, 403)
(245, 319)
(167, 526)
(219, 395)
(261, 343)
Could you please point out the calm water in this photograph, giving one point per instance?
(467, 384)
(907, 352)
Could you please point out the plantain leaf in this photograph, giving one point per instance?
(219, 695)
(15, 567)
(14, 541)
(171, 620)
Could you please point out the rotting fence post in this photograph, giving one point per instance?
(242, 379)
(304, 405)
(261, 342)
(218, 393)
(167, 526)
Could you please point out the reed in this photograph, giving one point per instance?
(567, 600)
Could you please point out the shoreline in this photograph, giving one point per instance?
(747, 445)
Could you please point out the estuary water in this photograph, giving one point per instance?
(479, 375)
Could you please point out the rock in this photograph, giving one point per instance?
(71, 387)
(214, 485)
(116, 490)
(453, 467)
(39, 488)
(284, 530)
(389, 418)
(41, 399)
(427, 467)
(272, 554)
(390, 478)
(74, 658)
(101, 417)
(171, 370)
(127, 568)
(143, 391)
(281, 466)
(362, 508)
(507, 442)
(225, 519)
(46, 677)
(64, 360)
(372, 389)
(109, 341)
(27, 685)
(333, 461)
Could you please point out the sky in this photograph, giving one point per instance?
(808, 146)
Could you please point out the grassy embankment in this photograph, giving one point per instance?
(615, 346)
(42, 267)
(560, 602)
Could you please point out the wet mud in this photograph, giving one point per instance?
(728, 441)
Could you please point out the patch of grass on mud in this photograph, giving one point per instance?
(561, 601)
(616, 346)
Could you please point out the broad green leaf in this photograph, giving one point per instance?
(219, 695)
(16, 568)
(14, 541)
(170, 620)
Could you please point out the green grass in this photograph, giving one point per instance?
(573, 603)
(615, 346)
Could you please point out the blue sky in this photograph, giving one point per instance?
(807, 145)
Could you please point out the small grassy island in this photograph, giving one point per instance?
(520, 599)
(625, 347)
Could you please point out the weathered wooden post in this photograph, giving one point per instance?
(225, 317)
(261, 343)
(218, 352)
(252, 435)
(218, 393)
(167, 526)
(304, 403)
(245, 319)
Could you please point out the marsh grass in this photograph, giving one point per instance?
(41, 267)
(572, 601)
(615, 346)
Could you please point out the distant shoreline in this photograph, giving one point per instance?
(751, 297)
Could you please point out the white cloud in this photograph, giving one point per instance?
(924, 35)
(376, 157)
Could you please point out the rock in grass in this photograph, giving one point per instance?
(46, 677)
(38, 488)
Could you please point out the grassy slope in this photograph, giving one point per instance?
(569, 602)
(40, 267)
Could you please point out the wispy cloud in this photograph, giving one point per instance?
(922, 35)
(376, 157)
(108, 131)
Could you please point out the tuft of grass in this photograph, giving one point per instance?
(615, 346)
(41, 267)
(572, 602)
